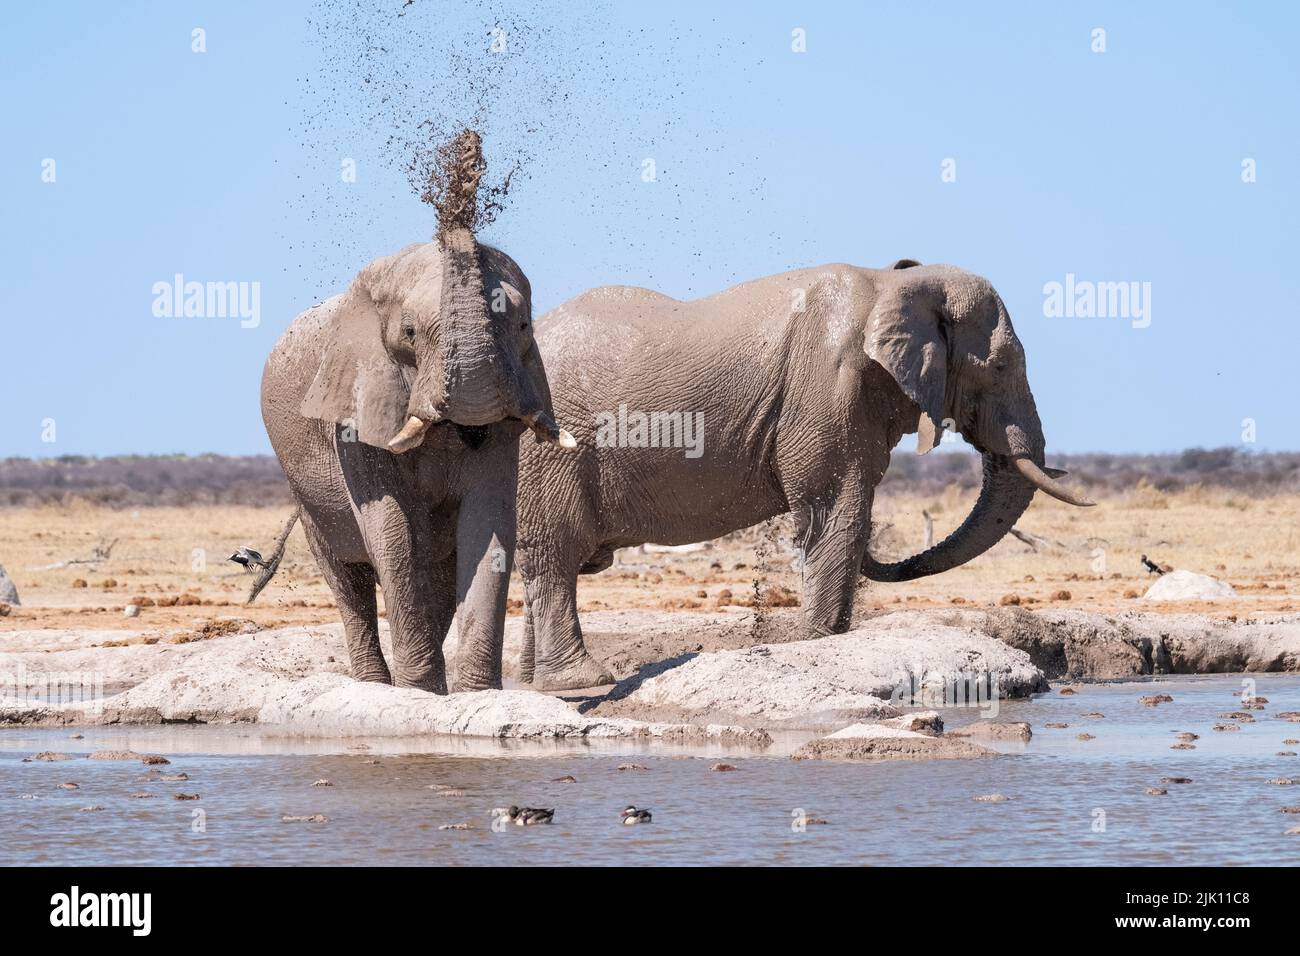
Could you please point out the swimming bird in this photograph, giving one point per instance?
(248, 558)
(530, 816)
(1151, 566)
(632, 815)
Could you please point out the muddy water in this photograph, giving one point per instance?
(1071, 801)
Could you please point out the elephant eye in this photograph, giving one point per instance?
(524, 327)
(408, 333)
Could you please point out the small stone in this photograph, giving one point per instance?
(154, 759)
(77, 737)
(69, 786)
(1238, 715)
(314, 818)
(1227, 727)
(91, 809)
(1187, 736)
(1009, 600)
(114, 755)
(47, 756)
(1183, 747)
(1061, 595)
(185, 796)
(447, 826)
(1283, 781)
(1057, 725)
(991, 798)
(565, 779)
(1155, 700)
(131, 610)
(1068, 691)
(141, 795)
(322, 783)
(1095, 714)
(724, 767)
(1291, 741)
(1155, 791)
(630, 766)
(1176, 780)
(1085, 737)
(1286, 753)
(1290, 809)
(1292, 715)
(1293, 830)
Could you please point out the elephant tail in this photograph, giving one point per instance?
(273, 562)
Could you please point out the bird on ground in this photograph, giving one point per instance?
(632, 816)
(1151, 566)
(248, 558)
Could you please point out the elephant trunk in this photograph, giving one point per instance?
(477, 379)
(1012, 473)
(1003, 498)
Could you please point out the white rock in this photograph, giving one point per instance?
(1183, 585)
(822, 682)
(8, 591)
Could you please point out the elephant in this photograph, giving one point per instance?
(799, 386)
(396, 410)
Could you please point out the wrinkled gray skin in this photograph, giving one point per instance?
(395, 410)
(806, 381)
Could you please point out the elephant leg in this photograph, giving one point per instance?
(561, 660)
(415, 607)
(485, 549)
(353, 586)
(835, 540)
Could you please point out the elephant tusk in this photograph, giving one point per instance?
(1044, 482)
(412, 434)
(544, 427)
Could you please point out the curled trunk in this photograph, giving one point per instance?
(1004, 496)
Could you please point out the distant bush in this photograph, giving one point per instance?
(1250, 473)
(135, 481)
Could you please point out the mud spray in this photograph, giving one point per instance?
(576, 98)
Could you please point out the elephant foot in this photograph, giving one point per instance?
(472, 683)
(433, 683)
(586, 671)
(372, 674)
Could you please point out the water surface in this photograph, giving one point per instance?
(1070, 801)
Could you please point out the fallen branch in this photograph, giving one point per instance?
(101, 552)
(1035, 541)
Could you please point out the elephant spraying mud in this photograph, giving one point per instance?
(802, 384)
(395, 410)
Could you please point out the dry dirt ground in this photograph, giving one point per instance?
(173, 562)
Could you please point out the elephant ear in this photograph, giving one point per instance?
(357, 384)
(905, 335)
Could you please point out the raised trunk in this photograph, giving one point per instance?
(1004, 496)
(476, 380)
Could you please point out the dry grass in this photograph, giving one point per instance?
(1093, 558)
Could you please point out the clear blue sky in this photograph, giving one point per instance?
(1119, 166)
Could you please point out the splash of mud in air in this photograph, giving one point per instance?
(450, 174)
